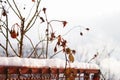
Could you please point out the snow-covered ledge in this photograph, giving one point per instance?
(40, 63)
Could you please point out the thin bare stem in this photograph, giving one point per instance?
(29, 23)
(9, 43)
(51, 27)
(29, 12)
(56, 53)
(17, 9)
(47, 35)
(30, 40)
(66, 60)
(72, 29)
(2, 46)
(35, 48)
(22, 37)
(3, 24)
(55, 21)
(7, 35)
(13, 49)
(13, 9)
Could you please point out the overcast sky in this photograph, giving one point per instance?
(101, 16)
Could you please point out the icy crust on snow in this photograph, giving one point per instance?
(39, 63)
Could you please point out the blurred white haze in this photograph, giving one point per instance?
(103, 19)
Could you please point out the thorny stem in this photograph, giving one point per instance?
(22, 37)
(7, 35)
(47, 34)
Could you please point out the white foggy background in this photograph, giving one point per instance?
(101, 16)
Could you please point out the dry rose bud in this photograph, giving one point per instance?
(53, 35)
(73, 51)
(81, 33)
(87, 29)
(44, 10)
(64, 23)
(46, 30)
(4, 13)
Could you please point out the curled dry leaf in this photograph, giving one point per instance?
(71, 58)
(59, 40)
(4, 13)
(41, 18)
(68, 50)
(64, 43)
(52, 36)
(55, 49)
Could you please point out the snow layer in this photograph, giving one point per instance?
(39, 63)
